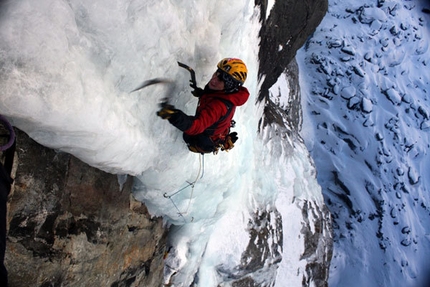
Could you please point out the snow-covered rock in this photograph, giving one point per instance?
(372, 169)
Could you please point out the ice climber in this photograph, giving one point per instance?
(209, 130)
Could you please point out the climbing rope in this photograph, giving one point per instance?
(192, 184)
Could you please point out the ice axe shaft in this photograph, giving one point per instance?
(193, 83)
(152, 82)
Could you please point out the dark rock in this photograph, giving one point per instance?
(69, 225)
(316, 243)
(264, 250)
(290, 23)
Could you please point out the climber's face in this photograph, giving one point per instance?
(216, 83)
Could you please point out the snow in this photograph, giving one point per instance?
(67, 71)
(279, 92)
(365, 96)
(269, 8)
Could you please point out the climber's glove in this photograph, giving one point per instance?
(229, 141)
(198, 92)
(233, 136)
(166, 111)
(176, 117)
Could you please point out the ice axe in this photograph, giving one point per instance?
(193, 83)
(158, 81)
(152, 82)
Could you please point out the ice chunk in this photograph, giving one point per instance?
(393, 96)
(353, 102)
(348, 92)
(366, 105)
(368, 15)
(376, 26)
(425, 125)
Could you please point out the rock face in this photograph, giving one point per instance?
(284, 30)
(70, 225)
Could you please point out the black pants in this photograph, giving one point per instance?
(199, 143)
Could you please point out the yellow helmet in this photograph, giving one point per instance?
(236, 68)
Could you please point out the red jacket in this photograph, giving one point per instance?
(211, 108)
